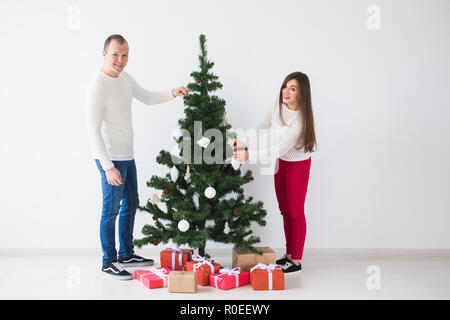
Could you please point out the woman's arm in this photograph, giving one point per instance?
(282, 145)
(252, 135)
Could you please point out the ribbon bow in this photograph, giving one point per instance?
(269, 269)
(201, 261)
(228, 272)
(162, 273)
(180, 256)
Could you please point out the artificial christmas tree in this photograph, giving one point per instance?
(202, 193)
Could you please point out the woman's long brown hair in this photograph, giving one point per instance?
(307, 138)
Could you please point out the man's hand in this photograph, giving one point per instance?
(180, 92)
(113, 176)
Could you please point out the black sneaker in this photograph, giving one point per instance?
(115, 270)
(282, 260)
(135, 261)
(290, 268)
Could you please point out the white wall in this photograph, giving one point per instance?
(380, 178)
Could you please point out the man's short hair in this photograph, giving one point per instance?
(112, 37)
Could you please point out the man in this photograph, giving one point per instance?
(109, 97)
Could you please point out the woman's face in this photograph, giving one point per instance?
(291, 93)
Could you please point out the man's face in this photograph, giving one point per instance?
(116, 57)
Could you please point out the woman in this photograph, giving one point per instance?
(292, 115)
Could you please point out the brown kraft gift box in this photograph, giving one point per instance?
(245, 259)
(183, 281)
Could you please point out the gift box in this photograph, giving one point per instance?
(183, 281)
(204, 267)
(267, 277)
(229, 278)
(175, 259)
(153, 277)
(244, 260)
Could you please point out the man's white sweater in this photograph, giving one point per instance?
(109, 115)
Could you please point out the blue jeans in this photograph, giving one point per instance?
(127, 192)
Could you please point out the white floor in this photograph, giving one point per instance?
(327, 274)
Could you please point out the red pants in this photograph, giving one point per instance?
(291, 183)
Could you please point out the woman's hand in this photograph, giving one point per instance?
(236, 144)
(113, 176)
(240, 155)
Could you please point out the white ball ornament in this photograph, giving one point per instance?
(210, 192)
(183, 225)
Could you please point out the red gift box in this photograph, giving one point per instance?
(153, 277)
(204, 267)
(229, 278)
(267, 277)
(175, 259)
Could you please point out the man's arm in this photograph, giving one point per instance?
(152, 97)
(95, 107)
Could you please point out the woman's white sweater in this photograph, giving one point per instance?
(283, 138)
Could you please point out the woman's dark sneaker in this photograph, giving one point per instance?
(282, 260)
(135, 261)
(290, 268)
(115, 270)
